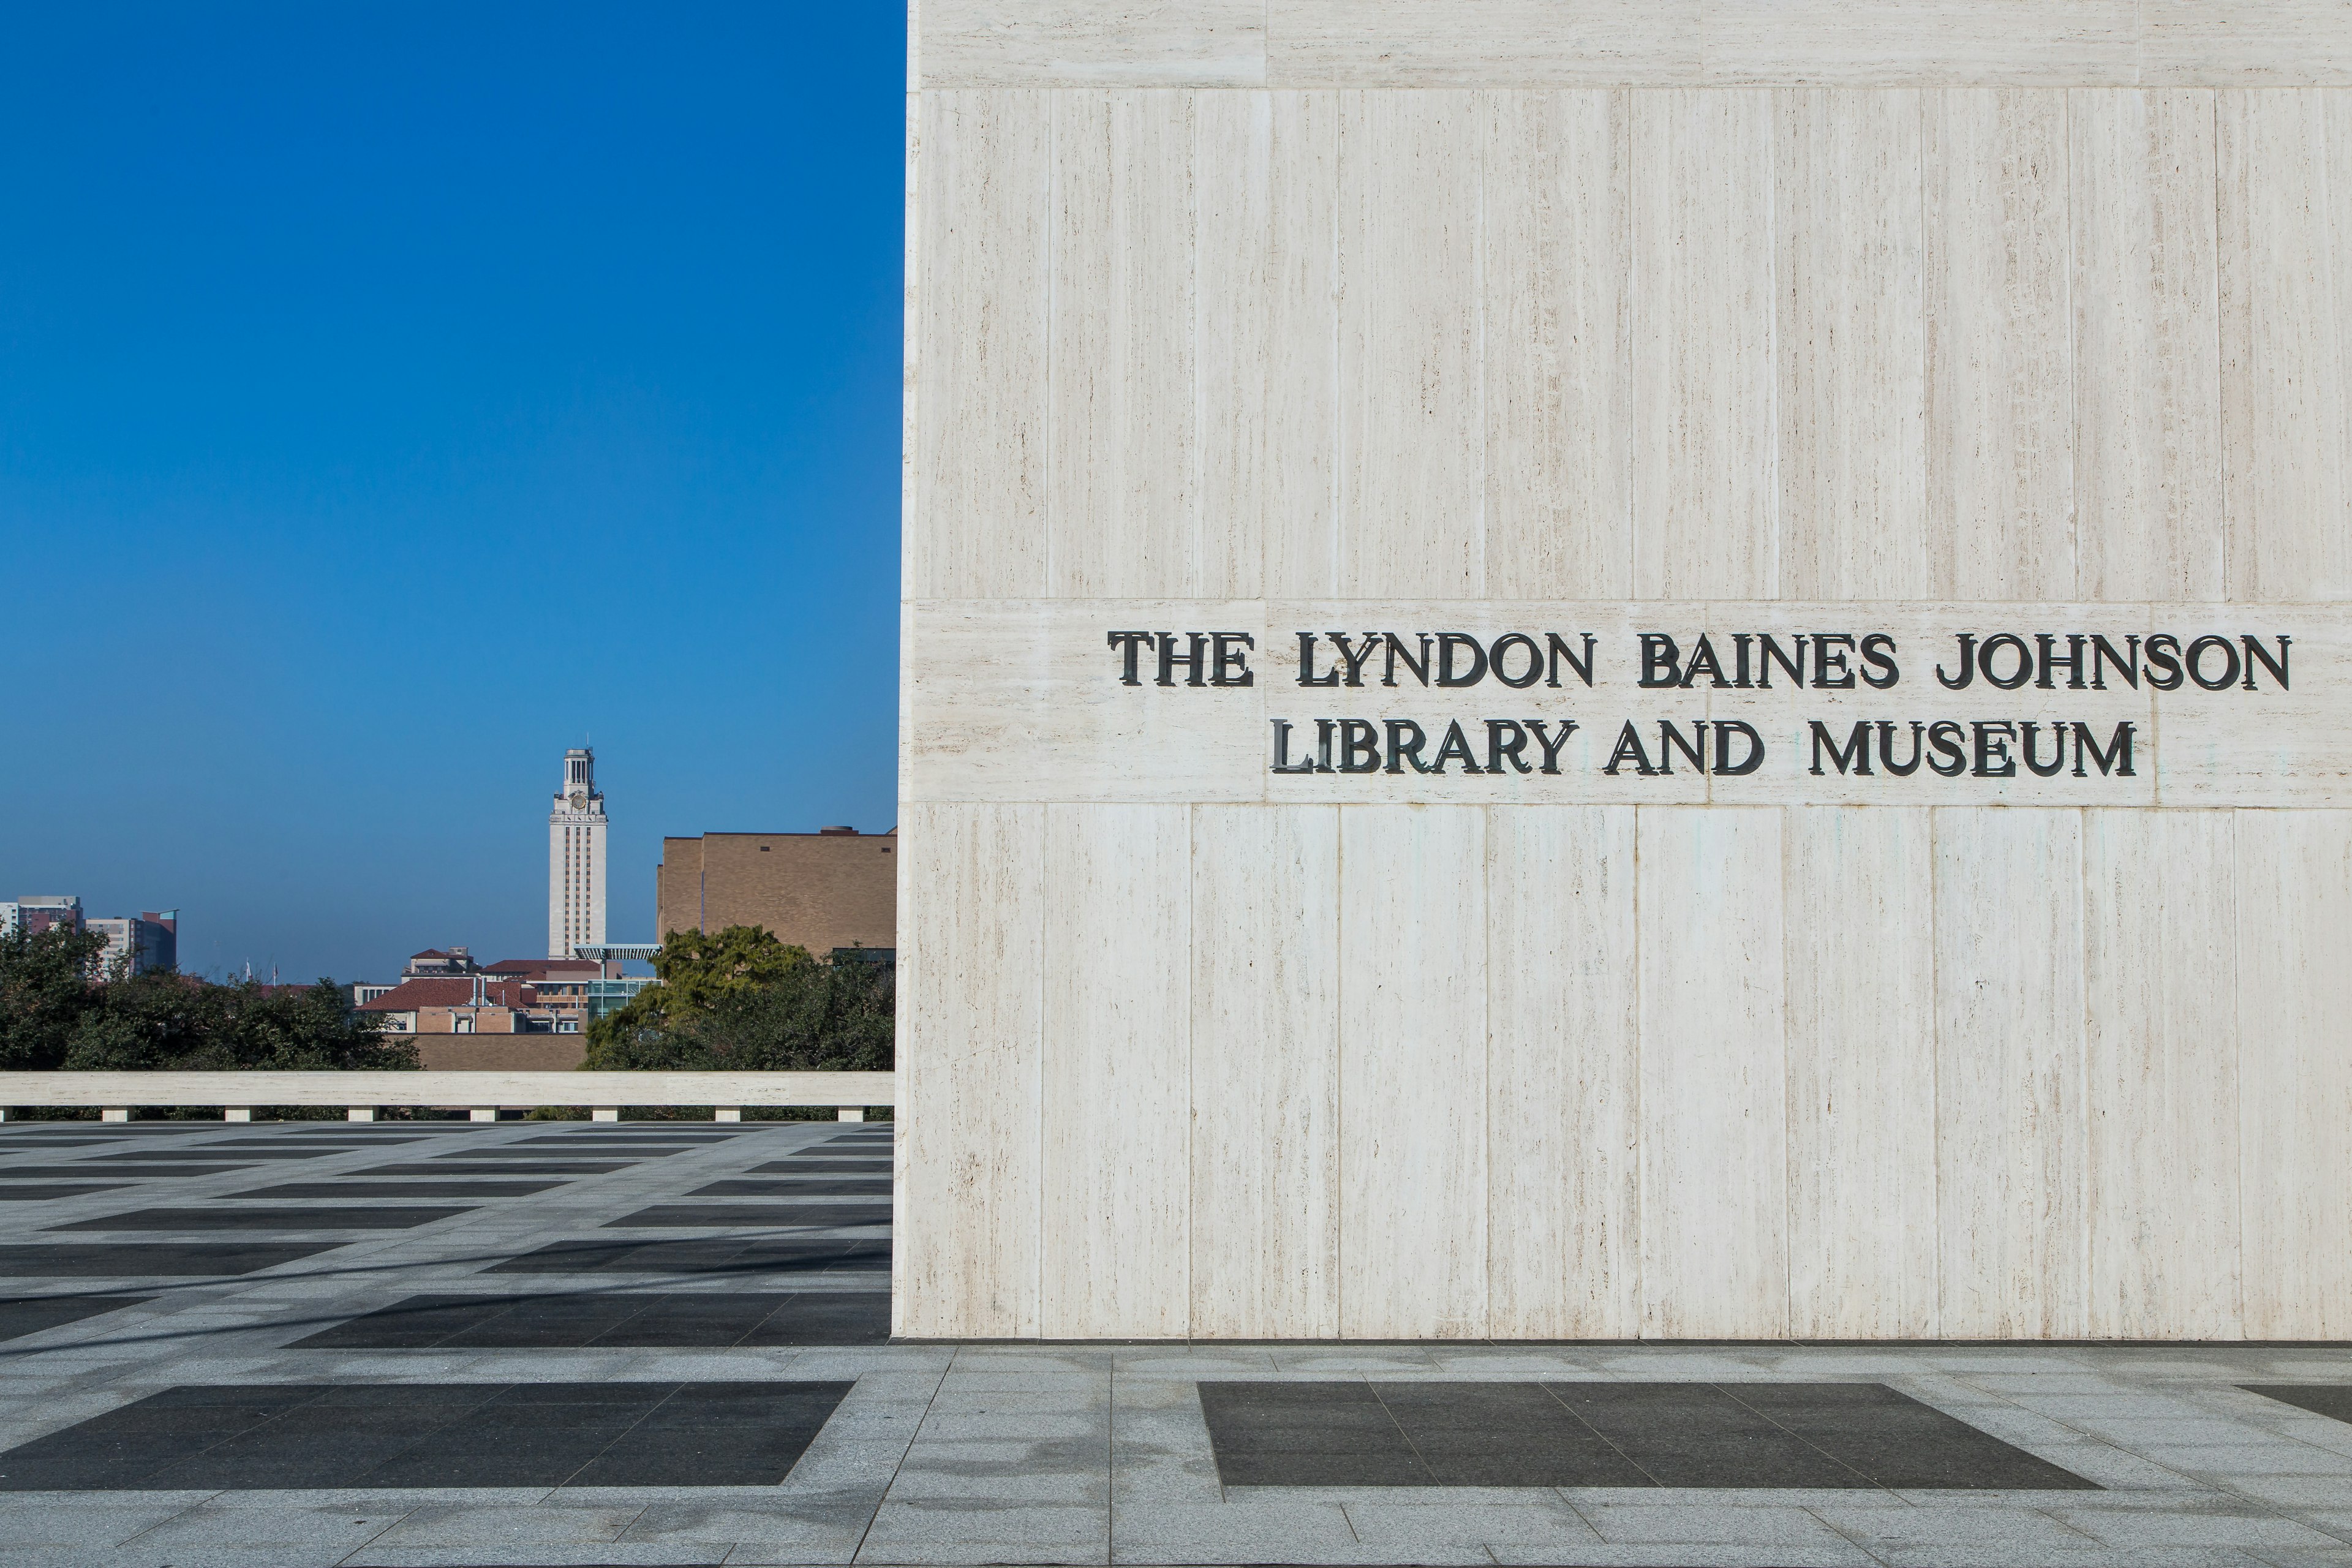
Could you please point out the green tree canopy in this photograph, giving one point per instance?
(54, 1015)
(738, 999)
(44, 991)
(162, 1021)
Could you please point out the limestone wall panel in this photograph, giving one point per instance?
(1932, 317)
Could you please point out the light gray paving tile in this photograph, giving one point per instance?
(1990, 1556)
(895, 1374)
(1010, 1360)
(1256, 1532)
(1042, 1420)
(798, 1534)
(2036, 1382)
(1398, 1530)
(1705, 1524)
(900, 1526)
(2180, 1527)
(319, 1533)
(2298, 1492)
(978, 1554)
(551, 1555)
(1184, 1366)
(34, 1523)
(1008, 1472)
(1588, 1498)
(2132, 1406)
(2011, 1528)
(2186, 1431)
(1639, 1555)
(493, 1524)
(2336, 1518)
(1309, 1364)
(2279, 1457)
(843, 1463)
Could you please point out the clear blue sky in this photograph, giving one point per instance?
(392, 394)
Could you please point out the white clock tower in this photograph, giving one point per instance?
(575, 858)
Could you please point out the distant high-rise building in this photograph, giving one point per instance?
(34, 913)
(575, 858)
(135, 944)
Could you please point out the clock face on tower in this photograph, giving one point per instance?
(578, 798)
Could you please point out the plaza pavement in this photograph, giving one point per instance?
(528, 1342)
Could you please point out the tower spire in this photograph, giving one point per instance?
(575, 858)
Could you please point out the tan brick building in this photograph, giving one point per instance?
(834, 888)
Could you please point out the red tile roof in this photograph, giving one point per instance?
(538, 968)
(411, 994)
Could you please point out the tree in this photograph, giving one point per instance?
(741, 1000)
(53, 1014)
(162, 1021)
(45, 989)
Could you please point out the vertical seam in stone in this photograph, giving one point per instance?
(1192, 1025)
(2074, 353)
(1936, 1066)
(1640, 1239)
(1037, 1094)
(1338, 287)
(1052, 176)
(1340, 1073)
(1775, 434)
(2238, 1064)
(2083, 1060)
(1486, 1073)
(1788, 1095)
(1479, 103)
(2221, 362)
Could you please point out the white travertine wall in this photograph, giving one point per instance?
(1264, 313)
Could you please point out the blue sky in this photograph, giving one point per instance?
(391, 395)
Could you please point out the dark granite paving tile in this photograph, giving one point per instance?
(800, 1165)
(25, 1315)
(731, 1217)
(158, 1260)
(36, 1193)
(608, 1145)
(717, 1434)
(483, 1187)
(1695, 1435)
(375, 1217)
(807, 1187)
(365, 1141)
(825, 1318)
(626, 1139)
(1765, 1436)
(415, 1323)
(326, 1441)
(123, 1447)
(1503, 1434)
(537, 1148)
(693, 1319)
(719, 1256)
(1897, 1441)
(1307, 1434)
(552, 1322)
(212, 1151)
(110, 1172)
(2333, 1400)
(444, 1165)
